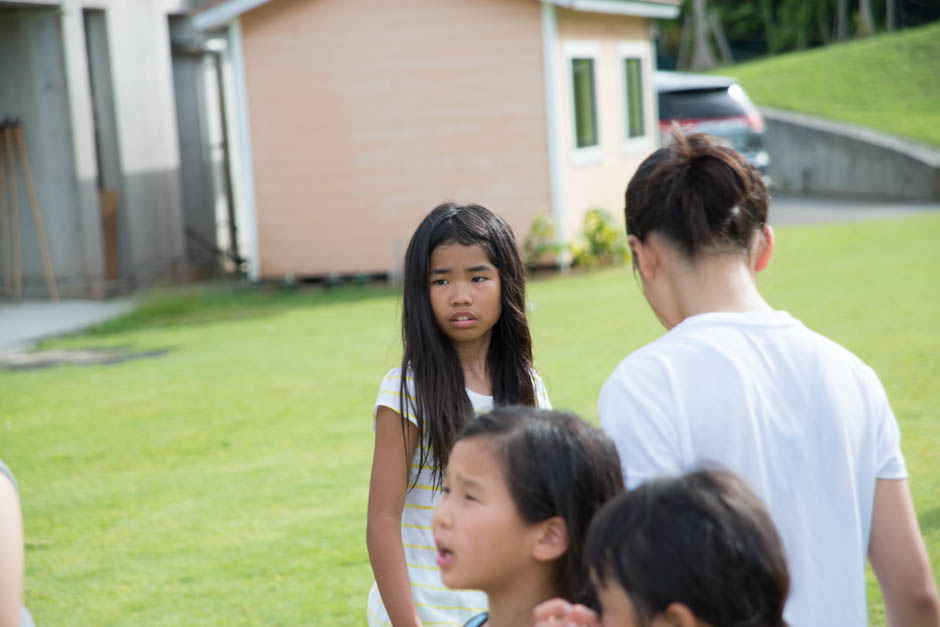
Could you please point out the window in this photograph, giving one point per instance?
(636, 68)
(633, 80)
(585, 102)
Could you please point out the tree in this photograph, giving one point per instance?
(702, 57)
(867, 26)
(842, 19)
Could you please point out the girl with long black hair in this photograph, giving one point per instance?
(467, 348)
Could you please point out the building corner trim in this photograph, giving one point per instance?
(556, 189)
(246, 175)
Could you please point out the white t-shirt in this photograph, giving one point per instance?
(800, 418)
(436, 604)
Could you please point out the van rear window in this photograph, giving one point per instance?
(698, 104)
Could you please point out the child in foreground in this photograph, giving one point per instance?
(520, 489)
(693, 551)
(467, 349)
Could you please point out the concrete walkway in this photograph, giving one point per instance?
(787, 210)
(22, 324)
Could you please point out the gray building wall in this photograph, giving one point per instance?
(817, 157)
(94, 90)
(139, 41)
(192, 68)
(33, 90)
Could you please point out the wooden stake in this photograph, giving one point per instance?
(4, 234)
(15, 220)
(37, 217)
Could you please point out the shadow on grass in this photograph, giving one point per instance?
(206, 304)
(929, 521)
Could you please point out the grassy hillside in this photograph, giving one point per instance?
(890, 82)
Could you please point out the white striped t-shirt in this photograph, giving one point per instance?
(436, 604)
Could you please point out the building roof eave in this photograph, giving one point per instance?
(221, 13)
(664, 9)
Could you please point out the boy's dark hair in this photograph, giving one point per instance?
(441, 404)
(556, 465)
(700, 195)
(702, 539)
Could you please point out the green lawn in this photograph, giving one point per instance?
(890, 82)
(226, 482)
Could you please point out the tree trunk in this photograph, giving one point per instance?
(825, 31)
(685, 39)
(720, 39)
(702, 57)
(889, 14)
(842, 19)
(867, 26)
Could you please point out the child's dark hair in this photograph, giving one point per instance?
(441, 404)
(556, 465)
(702, 539)
(702, 196)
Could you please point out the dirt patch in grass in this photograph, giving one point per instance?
(29, 360)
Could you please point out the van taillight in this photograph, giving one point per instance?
(756, 122)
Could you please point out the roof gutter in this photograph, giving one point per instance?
(221, 14)
(620, 7)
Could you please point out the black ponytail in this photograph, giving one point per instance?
(702, 196)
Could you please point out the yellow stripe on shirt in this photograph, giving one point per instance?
(422, 566)
(413, 506)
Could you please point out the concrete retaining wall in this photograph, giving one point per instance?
(810, 156)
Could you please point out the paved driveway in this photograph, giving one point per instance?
(786, 210)
(21, 324)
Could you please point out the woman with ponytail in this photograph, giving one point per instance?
(801, 419)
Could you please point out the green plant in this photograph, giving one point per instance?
(603, 242)
(540, 243)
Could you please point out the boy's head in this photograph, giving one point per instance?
(696, 548)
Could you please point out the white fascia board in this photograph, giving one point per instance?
(620, 7)
(555, 173)
(222, 14)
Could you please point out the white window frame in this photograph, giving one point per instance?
(642, 51)
(583, 50)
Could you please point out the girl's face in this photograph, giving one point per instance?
(465, 292)
(482, 542)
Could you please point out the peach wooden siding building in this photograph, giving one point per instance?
(350, 119)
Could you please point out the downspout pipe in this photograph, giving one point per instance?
(245, 179)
